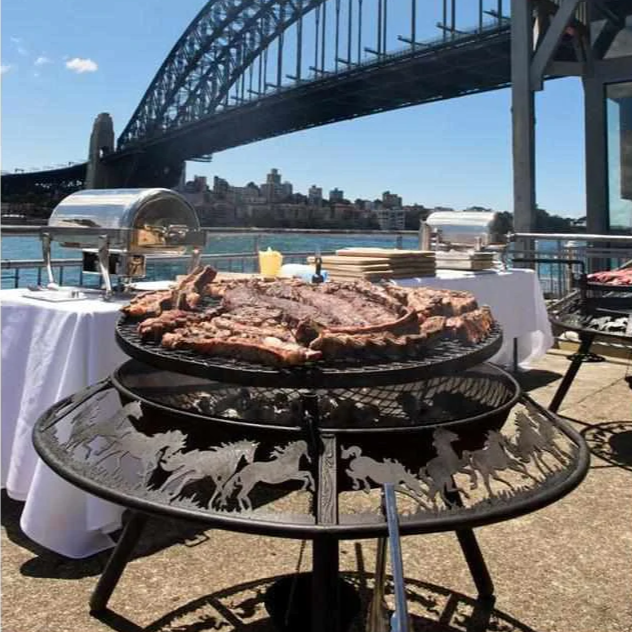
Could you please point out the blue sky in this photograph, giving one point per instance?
(64, 61)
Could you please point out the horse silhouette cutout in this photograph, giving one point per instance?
(284, 467)
(531, 445)
(86, 426)
(148, 450)
(218, 463)
(363, 469)
(438, 473)
(493, 457)
(547, 431)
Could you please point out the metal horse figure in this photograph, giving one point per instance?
(218, 463)
(86, 426)
(530, 444)
(439, 471)
(361, 469)
(149, 450)
(491, 459)
(285, 467)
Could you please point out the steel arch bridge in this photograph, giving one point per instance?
(246, 70)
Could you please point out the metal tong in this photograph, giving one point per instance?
(378, 620)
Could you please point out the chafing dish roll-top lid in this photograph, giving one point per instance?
(137, 220)
(464, 227)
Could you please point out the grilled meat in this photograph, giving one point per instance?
(289, 322)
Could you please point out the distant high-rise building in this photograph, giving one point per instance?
(391, 200)
(315, 195)
(274, 177)
(273, 189)
(336, 195)
(220, 186)
(285, 189)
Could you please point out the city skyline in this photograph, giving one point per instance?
(453, 153)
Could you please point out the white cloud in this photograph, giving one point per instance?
(5, 68)
(41, 60)
(19, 45)
(79, 65)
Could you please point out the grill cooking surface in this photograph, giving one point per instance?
(443, 357)
(607, 316)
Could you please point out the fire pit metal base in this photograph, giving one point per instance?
(452, 471)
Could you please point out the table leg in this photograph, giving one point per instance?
(325, 585)
(117, 562)
(569, 376)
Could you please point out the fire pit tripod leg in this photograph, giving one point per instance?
(473, 556)
(325, 585)
(476, 563)
(117, 562)
(569, 376)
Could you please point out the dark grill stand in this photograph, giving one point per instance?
(577, 312)
(304, 461)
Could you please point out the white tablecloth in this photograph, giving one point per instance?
(50, 351)
(517, 303)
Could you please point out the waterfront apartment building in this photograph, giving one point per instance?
(391, 218)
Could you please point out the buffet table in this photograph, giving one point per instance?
(516, 301)
(51, 350)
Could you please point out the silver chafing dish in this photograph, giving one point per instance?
(117, 228)
(454, 232)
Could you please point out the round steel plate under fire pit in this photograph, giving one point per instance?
(303, 476)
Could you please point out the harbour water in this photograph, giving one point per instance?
(29, 247)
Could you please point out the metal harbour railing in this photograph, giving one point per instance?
(597, 252)
(23, 272)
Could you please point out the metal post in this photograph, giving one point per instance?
(322, 52)
(379, 26)
(349, 30)
(523, 115)
(316, 36)
(359, 30)
(384, 26)
(596, 151)
(337, 38)
(413, 23)
(280, 47)
(299, 41)
(325, 585)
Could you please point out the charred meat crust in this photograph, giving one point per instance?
(289, 322)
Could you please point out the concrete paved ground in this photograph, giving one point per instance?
(565, 568)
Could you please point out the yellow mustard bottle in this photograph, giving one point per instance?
(270, 262)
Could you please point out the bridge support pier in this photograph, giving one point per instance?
(99, 174)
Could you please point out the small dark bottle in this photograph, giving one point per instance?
(318, 277)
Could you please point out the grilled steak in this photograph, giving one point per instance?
(289, 322)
